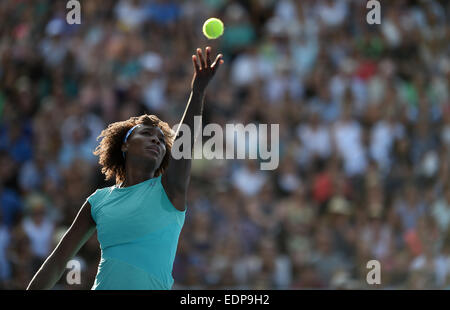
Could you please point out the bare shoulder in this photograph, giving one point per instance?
(83, 221)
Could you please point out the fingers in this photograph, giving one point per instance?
(208, 54)
(194, 61)
(201, 59)
(217, 62)
(200, 62)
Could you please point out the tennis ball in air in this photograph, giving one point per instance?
(213, 28)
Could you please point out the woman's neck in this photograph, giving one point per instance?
(135, 176)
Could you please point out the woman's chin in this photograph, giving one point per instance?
(153, 155)
(147, 158)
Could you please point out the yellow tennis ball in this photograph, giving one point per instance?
(213, 28)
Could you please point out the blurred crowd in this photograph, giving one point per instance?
(364, 116)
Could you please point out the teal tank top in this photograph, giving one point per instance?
(138, 230)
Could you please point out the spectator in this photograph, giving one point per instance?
(441, 211)
(348, 140)
(410, 209)
(39, 229)
(315, 138)
(248, 179)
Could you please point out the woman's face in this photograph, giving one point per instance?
(146, 142)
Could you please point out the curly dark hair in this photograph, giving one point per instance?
(109, 149)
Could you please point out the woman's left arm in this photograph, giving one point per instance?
(176, 179)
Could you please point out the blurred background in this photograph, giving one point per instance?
(364, 116)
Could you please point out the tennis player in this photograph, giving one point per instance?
(139, 219)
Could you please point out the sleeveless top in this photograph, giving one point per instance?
(138, 230)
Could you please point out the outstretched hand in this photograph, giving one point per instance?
(203, 69)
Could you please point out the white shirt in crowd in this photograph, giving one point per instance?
(246, 68)
(441, 213)
(332, 13)
(130, 14)
(382, 140)
(248, 182)
(348, 139)
(40, 236)
(316, 141)
(441, 267)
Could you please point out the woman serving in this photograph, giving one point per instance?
(139, 219)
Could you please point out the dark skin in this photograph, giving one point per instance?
(145, 150)
(141, 164)
(176, 178)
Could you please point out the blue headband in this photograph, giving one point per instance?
(128, 134)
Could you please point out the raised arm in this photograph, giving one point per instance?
(76, 236)
(176, 178)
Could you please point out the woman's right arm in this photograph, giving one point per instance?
(76, 236)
